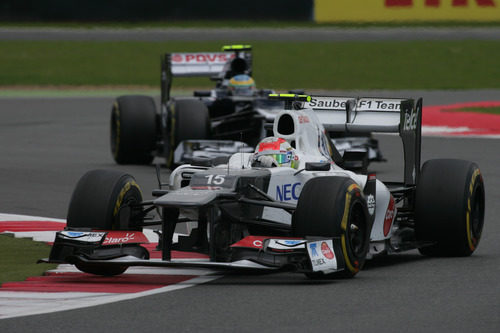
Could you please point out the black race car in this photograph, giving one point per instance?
(220, 121)
(213, 123)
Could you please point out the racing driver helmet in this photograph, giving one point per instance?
(241, 85)
(275, 152)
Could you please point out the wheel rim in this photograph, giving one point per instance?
(356, 231)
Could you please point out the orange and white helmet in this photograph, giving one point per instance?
(275, 152)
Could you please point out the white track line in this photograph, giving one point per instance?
(16, 217)
(18, 303)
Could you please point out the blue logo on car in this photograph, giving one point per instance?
(74, 234)
(314, 251)
(287, 192)
(292, 242)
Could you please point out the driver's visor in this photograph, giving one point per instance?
(281, 158)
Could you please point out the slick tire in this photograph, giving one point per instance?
(102, 200)
(335, 207)
(133, 129)
(189, 120)
(449, 207)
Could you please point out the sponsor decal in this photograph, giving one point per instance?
(83, 236)
(176, 57)
(410, 121)
(285, 244)
(255, 242)
(327, 103)
(378, 105)
(327, 252)
(389, 216)
(437, 3)
(322, 256)
(370, 201)
(314, 252)
(124, 237)
(289, 242)
(288, 192)
(363, 104)
(406, 10)
(201, 58)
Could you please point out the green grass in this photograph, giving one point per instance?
(18, 257)
(490, 110)
(278, 65)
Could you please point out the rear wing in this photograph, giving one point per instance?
(361, 115)
(216, 65)
(368, 114)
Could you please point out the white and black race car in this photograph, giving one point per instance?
(315, 218)
(211, 123)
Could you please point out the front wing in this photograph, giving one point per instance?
(259, 254)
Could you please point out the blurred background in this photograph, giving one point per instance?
(306, 44)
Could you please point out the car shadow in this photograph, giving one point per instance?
(292, 278)
(393, 260)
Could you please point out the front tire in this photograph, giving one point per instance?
(104, 199)
(449, 208)
(335, 207)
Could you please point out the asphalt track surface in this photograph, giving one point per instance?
(252, 34)
(47, 144)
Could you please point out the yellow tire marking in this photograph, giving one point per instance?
(470, 241)
(122, 193)
(343, 226)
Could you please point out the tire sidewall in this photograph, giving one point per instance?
(133, 132)
(187, 119)
(326, 208)
(98, 197)
(125, 192)
(445, 196)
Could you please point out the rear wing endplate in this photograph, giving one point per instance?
(367, 115)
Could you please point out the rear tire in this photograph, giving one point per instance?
(189, 120)
(335, 207)
(101, 200)
(449, 208)
(133, 129)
